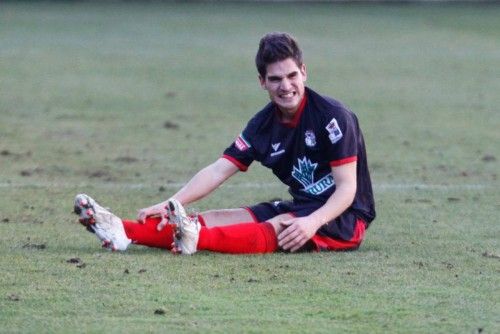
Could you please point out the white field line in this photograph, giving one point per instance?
(384, 187)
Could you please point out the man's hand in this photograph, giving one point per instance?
(296, 233)
(157, 210)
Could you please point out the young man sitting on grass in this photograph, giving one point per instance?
(312, 143)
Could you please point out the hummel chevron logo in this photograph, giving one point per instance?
(275, 149)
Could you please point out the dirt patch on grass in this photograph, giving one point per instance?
(491, 255)
(160, 311)
(77, 262)
(489, 158)
(9, 154)
(126, 159)
(23, 219)
(30, 172)
(100, 174)
(30, 245)
(13, 297)
(5, 153)
(170, 94)
(170, 125)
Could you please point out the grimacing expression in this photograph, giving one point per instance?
(285, 83)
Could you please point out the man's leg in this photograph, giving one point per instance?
(245, 238)
(254, 237)
(225, 217)
(241, 238)
(147, 234)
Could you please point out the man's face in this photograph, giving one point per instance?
(284, 82)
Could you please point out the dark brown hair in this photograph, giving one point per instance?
(276, 46)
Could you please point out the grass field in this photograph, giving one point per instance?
(125, 101)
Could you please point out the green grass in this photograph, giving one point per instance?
(86, 89)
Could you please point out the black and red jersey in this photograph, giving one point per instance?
(322, 134)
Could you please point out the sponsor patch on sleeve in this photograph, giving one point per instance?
(241, 143)
(335, 134)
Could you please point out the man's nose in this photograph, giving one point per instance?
(285, 84)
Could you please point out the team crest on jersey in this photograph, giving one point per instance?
(310, 138)
(335, 134)
(241, 143)
(304, 173)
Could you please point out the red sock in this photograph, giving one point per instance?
(147, 235)
(244, 238)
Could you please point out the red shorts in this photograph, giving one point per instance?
(324, 243)
(343, 234)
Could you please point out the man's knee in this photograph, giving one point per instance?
(276, 222)
(225, 217)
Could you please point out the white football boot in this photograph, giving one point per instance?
(106, 226)
(186, 228)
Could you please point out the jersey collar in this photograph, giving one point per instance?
(293, 123)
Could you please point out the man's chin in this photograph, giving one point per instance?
(288, 107)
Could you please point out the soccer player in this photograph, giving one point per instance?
(312, 143)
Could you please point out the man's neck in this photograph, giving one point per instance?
(289, 116)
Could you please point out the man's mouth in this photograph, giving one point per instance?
(287, 95)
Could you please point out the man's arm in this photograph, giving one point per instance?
(298, 231)
(206, 180)
(200, 185)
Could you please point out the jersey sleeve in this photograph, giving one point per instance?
(241, 152)
(342, 141)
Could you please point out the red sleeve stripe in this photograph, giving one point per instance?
(242, 167)
(344, 161)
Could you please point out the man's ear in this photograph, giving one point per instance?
(303, 71)
(262, 82)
